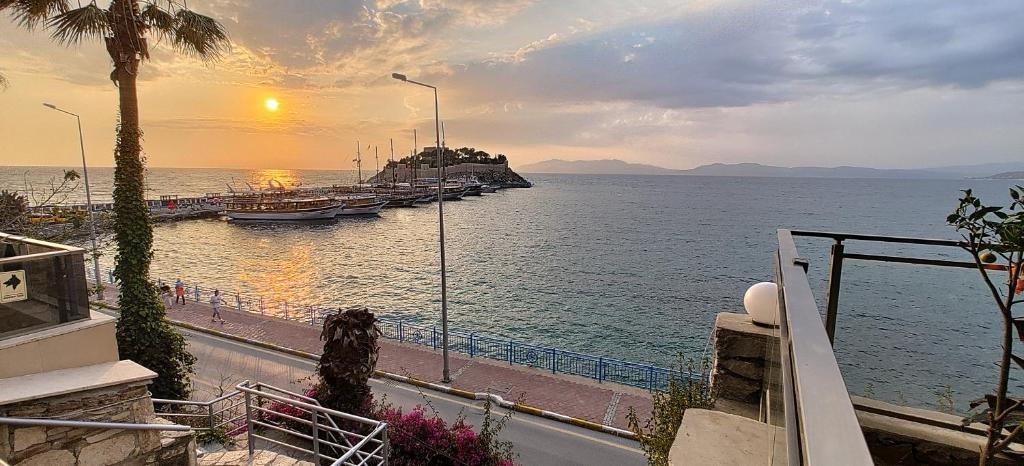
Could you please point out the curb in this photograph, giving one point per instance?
(518, 407)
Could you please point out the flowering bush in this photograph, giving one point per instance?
(418, 438)
(421, 440)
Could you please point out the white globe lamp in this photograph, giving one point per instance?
(762, 303)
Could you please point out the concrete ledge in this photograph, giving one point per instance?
(712, 437)
(64, 381)
(904, 435)
(74, 344)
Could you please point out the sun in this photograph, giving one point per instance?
(271, 104)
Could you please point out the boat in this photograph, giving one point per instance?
(260, 207)
(488, 189)
(401, 200)
(454, 193)
(361, 206)
(426, 199)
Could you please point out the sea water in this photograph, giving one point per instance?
(631, 267)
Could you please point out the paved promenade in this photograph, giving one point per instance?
(605, 403)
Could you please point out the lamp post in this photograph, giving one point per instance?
(88, 202)
(440, 222)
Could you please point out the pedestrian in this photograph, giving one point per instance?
(216, 300)
(179, 292)
(165, 295)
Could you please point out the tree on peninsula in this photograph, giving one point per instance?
(124, 27)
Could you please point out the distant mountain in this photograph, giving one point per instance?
(981, 170)
(618, 167)
(756, 169)
(1017, 175)
(595, 167)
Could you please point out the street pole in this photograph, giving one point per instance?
(440, 224)
(88, 202)
(445, 376)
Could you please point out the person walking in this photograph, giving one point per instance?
(216, 300)
(165, 295)
(179, 292)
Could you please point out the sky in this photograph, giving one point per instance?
(888, 84)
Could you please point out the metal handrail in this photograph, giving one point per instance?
(838, 255)
(311, 406)
(24, 421)
(816, 400)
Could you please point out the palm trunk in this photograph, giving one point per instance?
(143, 333)
(132, 225)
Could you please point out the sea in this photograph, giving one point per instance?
(629, 267)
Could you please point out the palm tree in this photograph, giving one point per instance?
(143, 334)
(348, 360)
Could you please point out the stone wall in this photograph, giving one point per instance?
(58, 446)
(739, 364)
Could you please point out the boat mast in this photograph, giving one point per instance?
(376, 161)
(415, 159)
(393, 179)
(444, 172)
(359, 163)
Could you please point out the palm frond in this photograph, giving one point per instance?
(158, 19)
(30, 13)
(199, 36)
(87, 22)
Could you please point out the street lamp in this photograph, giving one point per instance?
(88, 201)
(440, 222)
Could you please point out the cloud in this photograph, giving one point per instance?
(758, 52)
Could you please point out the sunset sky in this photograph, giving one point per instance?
(672, 83)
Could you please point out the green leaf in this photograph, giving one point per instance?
(72, 26)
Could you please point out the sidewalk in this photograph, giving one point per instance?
(572, 396)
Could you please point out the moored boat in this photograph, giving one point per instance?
(259, 207)
(401, 200)
(362, 206)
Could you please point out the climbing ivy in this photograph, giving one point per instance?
(144, 334)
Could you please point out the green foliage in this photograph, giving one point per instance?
(997, 231)
(349, 359)
(456, 156)
(143, 333)
(218, 435)
(657, 433)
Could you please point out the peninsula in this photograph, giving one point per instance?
(461, 163)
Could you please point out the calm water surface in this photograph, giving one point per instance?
(634, 267)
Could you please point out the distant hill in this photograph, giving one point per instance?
(756, 169)
(595, 167)
(1016, 175)
(619, 167)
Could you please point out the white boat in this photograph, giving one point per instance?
(261, 207)
(361, 206)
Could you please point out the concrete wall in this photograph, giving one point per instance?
(74, 344)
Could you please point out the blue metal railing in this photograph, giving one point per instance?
(554, 360)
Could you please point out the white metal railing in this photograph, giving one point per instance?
(28, 421)
(342, 438)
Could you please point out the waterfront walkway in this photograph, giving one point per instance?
(603, 403)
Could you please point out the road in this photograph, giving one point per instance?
(538, 441)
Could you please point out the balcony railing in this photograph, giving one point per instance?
(806, 395)
(43, 284)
